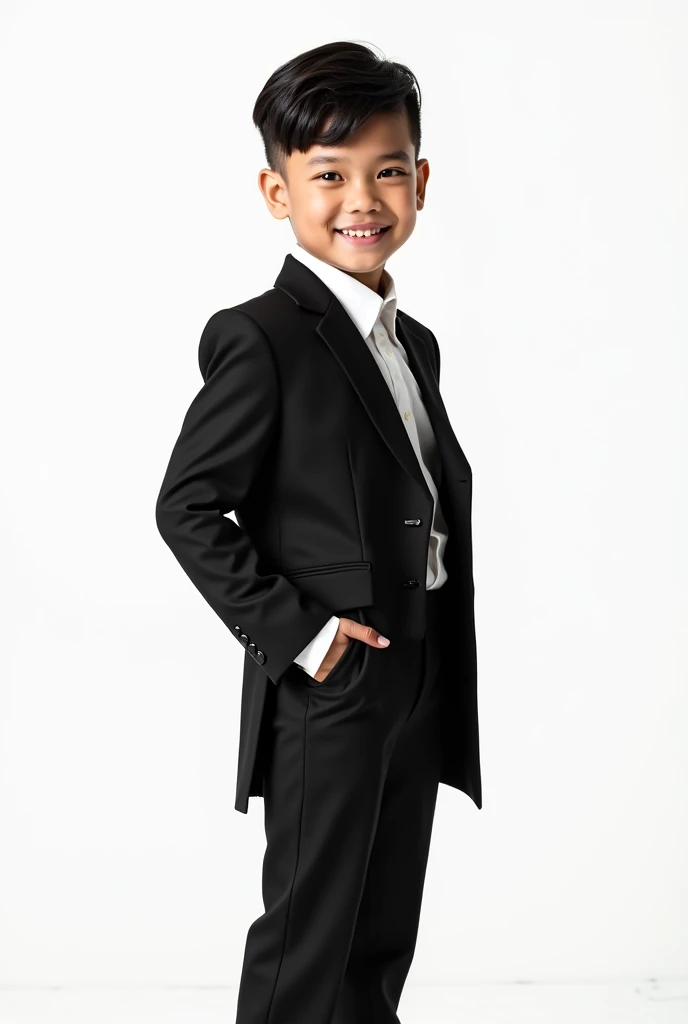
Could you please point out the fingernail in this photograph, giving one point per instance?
(383, 640)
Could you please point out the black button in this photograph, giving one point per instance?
(260, 657)
(237, 630)
(410, 583)
(412, 522)
(252, 650)
(243, 639)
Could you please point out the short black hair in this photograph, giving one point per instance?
(344, 82)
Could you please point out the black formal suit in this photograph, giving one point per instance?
(296, 432)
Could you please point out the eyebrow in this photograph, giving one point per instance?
(398, 154)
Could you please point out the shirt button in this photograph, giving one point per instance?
(407, 415)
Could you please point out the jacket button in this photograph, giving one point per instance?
(252, 650)
(412, 522)
(237, 631)
(243, 639)
(410, 583)
(260, 657)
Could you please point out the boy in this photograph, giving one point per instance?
(348, 579)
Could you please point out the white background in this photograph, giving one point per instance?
(551, 262)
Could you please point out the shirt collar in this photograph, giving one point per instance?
(364, 306)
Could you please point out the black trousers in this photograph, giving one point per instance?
(350, 787)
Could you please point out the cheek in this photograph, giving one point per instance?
(318, 207)
(404, 208)
(406, 221)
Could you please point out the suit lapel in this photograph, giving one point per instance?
(416, 349)
(339, 332)
(344, 340)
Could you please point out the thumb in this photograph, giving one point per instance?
(359, 631)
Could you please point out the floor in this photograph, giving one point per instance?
(645, 1001)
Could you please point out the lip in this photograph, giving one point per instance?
(363, 240)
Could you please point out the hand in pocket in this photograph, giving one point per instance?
(348, 631)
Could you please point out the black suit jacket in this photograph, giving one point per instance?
(296, 432)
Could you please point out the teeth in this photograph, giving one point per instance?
(363, 234)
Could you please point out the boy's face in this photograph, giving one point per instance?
(332, 187)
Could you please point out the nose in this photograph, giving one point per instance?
(362, 198)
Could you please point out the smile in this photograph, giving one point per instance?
(365, 238)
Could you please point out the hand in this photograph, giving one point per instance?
(348, 630)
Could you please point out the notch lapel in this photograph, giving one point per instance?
(340, 334)
(451, 453)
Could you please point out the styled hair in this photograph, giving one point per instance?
(341, 83)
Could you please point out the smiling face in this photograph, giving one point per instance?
(373, 178)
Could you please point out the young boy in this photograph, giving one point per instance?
(348, 579)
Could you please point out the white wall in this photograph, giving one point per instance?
(551, 263)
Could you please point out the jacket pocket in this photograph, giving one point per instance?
(338, 585)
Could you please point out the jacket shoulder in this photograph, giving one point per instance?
(425, 334)
(273, 312)
(269, 303)
(258, 308)
(234, 332)
(416, 326)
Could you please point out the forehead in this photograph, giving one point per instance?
(320, 157)
(381, 138)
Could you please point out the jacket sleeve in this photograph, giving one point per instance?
(217, 456)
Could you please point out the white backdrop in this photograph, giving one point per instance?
(551, 262)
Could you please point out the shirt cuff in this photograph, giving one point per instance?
(313, 653)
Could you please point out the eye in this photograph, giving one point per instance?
(395, 170)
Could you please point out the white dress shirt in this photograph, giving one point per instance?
(375, 317)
